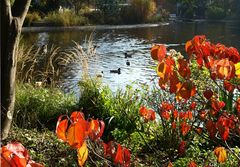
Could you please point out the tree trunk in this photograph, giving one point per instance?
(11, 24)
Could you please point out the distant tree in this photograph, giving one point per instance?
(78, 4)
(108, 7)
(12, 18)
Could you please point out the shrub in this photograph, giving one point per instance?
(214, 12)
(110, 10)
(44, 147)
(139, 11)
(31, 17)
(66, 18)
(209, 110)
(95, 17)
(39, 107)
(118, 110)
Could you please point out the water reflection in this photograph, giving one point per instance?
(112, 44)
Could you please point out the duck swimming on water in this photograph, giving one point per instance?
(128, 63)
(118, 71)
(128, 55)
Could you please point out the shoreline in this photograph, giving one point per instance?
(90, 28)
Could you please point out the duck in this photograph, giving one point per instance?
(100, 75)
(118, 71)
(128, 55)
(128, 63)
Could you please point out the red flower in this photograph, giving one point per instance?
(211, 128)
(192, 164)
(147, 114)
(185, 128)
(165, 115)
(208, 94)
(216, 105)
(228, 86)
(183, 68)
(182, 148)
(193, 105)
(16, 155)
(175, 114)
(174, 126)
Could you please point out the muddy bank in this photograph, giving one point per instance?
(89, 28)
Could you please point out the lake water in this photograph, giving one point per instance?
(113, 43)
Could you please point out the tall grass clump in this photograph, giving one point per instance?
(31, 17)
(36, 64)
(39, 63)
(66, 18)
(40, 107)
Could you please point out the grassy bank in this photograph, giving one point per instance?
(39, 107)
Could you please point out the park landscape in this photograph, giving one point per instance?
(163, 92)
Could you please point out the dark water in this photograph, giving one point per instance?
(114, 43)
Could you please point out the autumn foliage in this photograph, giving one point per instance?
(217, 112)
(76, 131)
(14, 154)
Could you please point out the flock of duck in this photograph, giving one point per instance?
(118, 71)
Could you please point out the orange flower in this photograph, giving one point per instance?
(174, 126)
(175, 114)
(165, 115)
(216, 105)
(147, 114)
(221, 154)
(193, 105)
(223, 69)
(228, 86)
(192, 164)
(186, 91)
(185, 128)
(202, 114)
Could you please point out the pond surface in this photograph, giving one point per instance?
(113, 43)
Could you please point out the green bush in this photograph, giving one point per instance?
(214, 12)
(31, 17)
(139, 11)
(201, 152)
(41, 107)
(66, 18)
(44, 147)
(110, 10)
(119, 110)
(95, 17)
